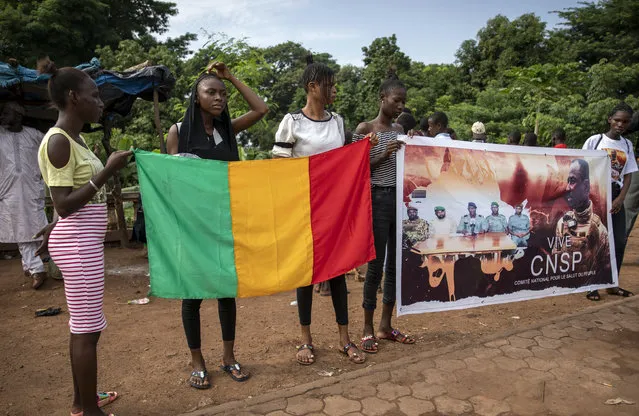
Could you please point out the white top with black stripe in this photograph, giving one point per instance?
(385, 173)
(299, 136)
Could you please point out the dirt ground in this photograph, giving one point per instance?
(143, 353)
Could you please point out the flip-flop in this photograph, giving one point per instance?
(305, 347)
(397, 336)
(593, 296)
(107, 397)
(367, 339)
(201, 374)
(104, 398)
(229, 370)
(620, 292)
(352, 358)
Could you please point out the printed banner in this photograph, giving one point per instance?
(481, 224)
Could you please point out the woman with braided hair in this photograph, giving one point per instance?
(306, 132)
(208, 132)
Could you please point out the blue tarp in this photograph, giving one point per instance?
(10, 75)
(118, 90)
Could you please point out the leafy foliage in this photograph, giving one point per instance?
(516, 74)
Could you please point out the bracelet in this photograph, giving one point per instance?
(94, 185)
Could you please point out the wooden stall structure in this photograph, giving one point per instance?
(118, 91)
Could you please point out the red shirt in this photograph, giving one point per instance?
(561, 146)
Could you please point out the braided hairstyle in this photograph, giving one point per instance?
(320, 74)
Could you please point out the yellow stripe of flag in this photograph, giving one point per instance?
(274, 256)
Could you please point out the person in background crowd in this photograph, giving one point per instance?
(514, 138)
(406, 120)
(451, 133)
(310, 131)
(632, 197)
(392, 98)
(530, 139)
(208, 132)
(623, 164)
(75, 239)
(479, 132)
(21, 190)
(438, 125)
(559, 138)
(423, 127)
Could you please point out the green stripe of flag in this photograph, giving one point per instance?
(186, 209)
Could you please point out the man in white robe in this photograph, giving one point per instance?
(21, 189)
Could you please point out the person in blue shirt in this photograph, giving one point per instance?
(495, 222)
(519, 227)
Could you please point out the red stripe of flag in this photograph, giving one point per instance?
(341, 211)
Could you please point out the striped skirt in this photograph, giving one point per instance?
(76, 245)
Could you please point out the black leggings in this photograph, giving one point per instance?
(191, 320)
(339, 294)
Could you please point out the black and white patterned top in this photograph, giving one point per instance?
(385, 173)
(299, 136)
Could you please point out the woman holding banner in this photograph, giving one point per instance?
(392, 99)
(623, 164)
(310, 131)
(209, 132)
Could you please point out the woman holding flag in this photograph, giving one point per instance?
(306, 132)
(208, 132)
(392, 98)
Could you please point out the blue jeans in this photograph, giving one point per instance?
(384, 228)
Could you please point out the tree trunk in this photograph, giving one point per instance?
(158, 125)
(117, 187)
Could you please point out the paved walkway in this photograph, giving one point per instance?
(569, 366)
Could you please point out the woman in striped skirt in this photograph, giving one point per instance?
(75, 239)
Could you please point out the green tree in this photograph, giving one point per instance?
(380, 57)
(70, 30)
(503, 44)
(607, 29)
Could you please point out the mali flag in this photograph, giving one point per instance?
(238, 229)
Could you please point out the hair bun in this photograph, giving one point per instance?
(309, 59)
(46, 66)
(392, 72)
